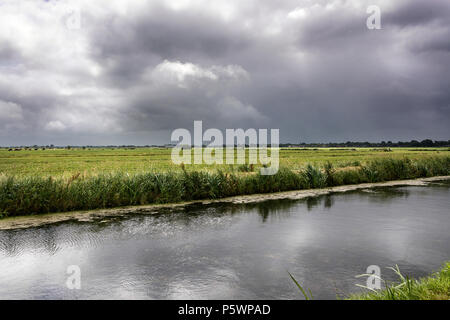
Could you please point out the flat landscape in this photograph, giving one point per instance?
(88, 162)
(226, 151)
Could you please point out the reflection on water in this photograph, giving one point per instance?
(234, 251)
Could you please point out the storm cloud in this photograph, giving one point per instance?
(115, 72)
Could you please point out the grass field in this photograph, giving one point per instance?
(56, 180)
(66, 163)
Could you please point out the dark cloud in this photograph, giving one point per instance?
(133, 72)
(417, 13)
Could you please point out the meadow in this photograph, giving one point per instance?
(90, 162)
(44, 181)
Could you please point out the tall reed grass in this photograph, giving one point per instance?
(33, 195)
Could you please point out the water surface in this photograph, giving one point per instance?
(231, 251)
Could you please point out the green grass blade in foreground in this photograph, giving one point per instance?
(310, 297)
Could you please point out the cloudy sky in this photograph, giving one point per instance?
(116, 72)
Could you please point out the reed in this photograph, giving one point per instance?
(34, 195)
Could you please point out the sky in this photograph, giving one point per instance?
(130, 72)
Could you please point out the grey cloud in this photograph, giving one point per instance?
(311, 69)
(176, 93)
(133, 43)
(413, 13)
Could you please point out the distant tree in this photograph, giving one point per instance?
(414, 143)
(427, 143)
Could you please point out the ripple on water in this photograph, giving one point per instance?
(234, 251)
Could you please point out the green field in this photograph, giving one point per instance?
(43, 181)
(88, 162)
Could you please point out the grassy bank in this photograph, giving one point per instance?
(32, 195)
(434, 287)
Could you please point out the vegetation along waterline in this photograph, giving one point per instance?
(433, 287)
(94, 161)
(33, 195)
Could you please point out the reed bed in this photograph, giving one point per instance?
(36, 195)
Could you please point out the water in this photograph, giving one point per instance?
(234, 251)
